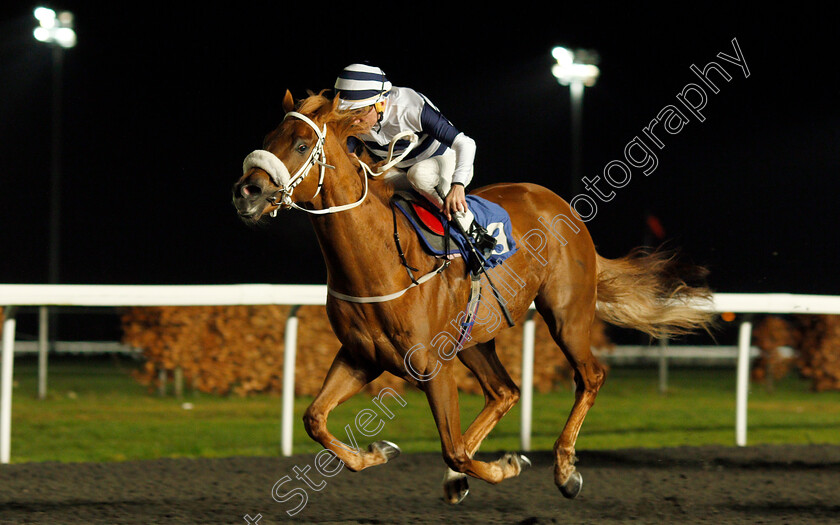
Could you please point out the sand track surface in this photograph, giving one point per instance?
(761, 484)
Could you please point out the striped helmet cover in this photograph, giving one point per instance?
(360, 85)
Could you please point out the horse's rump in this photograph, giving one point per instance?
(647, 290)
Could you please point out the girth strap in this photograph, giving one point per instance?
(481, 269)
(472, 310)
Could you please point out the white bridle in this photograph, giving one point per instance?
(279, 173)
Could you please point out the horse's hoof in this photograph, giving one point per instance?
(386, 448)
(572, 487)
(455, 487)
(514, 458)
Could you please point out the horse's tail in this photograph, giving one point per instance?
(647, 291)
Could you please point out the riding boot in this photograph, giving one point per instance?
(477, 236)
(483, 241)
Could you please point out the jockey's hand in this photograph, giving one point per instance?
(455, 201)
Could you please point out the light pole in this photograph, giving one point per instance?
(56, 30)
(575, 68)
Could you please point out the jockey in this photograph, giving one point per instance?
(441, 164)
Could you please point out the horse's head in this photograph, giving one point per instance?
(292, 167)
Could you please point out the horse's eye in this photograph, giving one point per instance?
(302, 148)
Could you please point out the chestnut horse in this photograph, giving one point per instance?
(386, 320)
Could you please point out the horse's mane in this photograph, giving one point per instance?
(344, 126)
(321, 107)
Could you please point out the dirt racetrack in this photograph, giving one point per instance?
(763, 484)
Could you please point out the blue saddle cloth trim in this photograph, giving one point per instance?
(488, 214)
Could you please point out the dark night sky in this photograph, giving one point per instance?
(161, 105)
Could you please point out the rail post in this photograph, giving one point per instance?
(6, 384)
(289, 355)
(743, 382)
(527, 390)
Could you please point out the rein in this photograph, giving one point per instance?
(279, 173)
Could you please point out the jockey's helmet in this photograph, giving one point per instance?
(360, 85)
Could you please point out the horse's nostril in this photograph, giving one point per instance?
(251, 190)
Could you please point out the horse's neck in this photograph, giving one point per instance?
(357, 244)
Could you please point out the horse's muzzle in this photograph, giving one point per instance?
(252, 199)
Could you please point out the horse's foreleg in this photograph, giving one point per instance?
(500, 395)
(442, 393)
(500, 392)
(345, 378)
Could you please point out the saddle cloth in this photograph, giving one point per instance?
(428, 222)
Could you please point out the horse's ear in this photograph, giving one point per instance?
(288, 102)
(335, 103)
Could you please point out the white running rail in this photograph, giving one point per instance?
(15, 295)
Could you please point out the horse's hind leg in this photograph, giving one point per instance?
(570, 326)
(500, 395)
(442, 394)
(345, 378)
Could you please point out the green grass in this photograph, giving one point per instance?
(96, 412)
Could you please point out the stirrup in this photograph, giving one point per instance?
(483, 241)
(478, 263)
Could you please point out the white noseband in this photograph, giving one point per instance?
(278, 171)
(268, 162)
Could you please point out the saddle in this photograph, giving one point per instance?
(432, 228)
(442, 241)
(429, 224)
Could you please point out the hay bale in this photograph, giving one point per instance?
(240, 349)
(769, 334)
(819, 352)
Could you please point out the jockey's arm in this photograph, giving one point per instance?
(464, 148)
(456, 200)
(439, 127)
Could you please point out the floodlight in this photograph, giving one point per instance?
(54, 28)
(575, 66)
